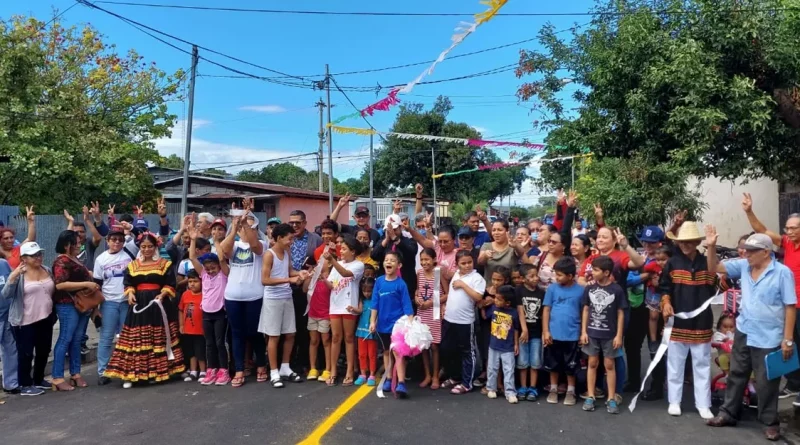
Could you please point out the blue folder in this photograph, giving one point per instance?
(777, 367)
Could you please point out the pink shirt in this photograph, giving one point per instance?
(446, 260)
(37, 303)
(213, 291)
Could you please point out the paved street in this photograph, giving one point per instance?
(256, 414)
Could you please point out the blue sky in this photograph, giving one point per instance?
(243, 120)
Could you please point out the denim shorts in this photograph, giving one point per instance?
(530, 354)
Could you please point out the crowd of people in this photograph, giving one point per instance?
(217, 301)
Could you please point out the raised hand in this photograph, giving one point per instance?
(572, 198)
(29, 214)
(95, 210)
(111, 208)
(711, 235)
(85, 213)
(186, 222)
(622, 240)
(560, 196)
(344, 200)
(418, 190)
(138, 210)
(429, 219)
(68, 217)
(162, 207)
(598, 210)
(247, 204)
(397, 207)
(747, 203)
(680, 217)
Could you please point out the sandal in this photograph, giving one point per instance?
(237, 381)
(277, 382)
(449, 383)
(63, 386)
(261, 376)
(348, 381)
(79, 382)
(293, 377)
(331, 381)
(459, 389)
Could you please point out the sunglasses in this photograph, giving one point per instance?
(116, 240)
(295, 223)
(37, 255)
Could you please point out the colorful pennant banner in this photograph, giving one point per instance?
(502, 165)
(427, 137)
(463, 30)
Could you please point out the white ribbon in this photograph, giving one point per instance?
(662, 348)
(156, 301)
(313, 284)
(437, 285)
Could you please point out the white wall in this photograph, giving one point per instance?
(724, 200)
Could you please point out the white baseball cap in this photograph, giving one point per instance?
(29, 248)
(393, 221)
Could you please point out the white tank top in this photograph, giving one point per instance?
(280, 269)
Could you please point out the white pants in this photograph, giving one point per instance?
(701, 370)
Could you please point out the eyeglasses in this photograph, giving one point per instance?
(788, 229)
(295, 223)
(552, 241)
(116, 240)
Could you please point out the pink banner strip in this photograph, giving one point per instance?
(483, 143)
(499, 165)
(383, 104)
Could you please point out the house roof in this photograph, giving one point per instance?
(254, 187)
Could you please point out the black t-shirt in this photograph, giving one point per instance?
(531, 302)
(374, 236)
(603, 302)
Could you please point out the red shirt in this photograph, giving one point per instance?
(620, 273)
(191, 312)
(14, 259)
(320, 304)
(791, 259)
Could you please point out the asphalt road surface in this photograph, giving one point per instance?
(188, 413)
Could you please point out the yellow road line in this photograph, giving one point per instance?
(330, 421)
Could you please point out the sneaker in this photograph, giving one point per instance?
(16, 390)
(674, 409)
(188, 378)
(401, 390)
(588, 404)
(223, 378)
(570, 399)
(184, 375)
(202, 375)
(553, 396)
(360, 380)
(312, 375)
(211, 377)
(618, 398)
(491, 394)
(598, 394)
(512, 399)
(705, 413)
(44, 384)
(478, 383)
(84, 349)
(371, 381)
(31, 391)
(387, 385)
(324, 376)
(786, 393)
(533, 394)
(103, 380)
(522, 392)
(613, 408)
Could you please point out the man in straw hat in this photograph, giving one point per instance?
(685, 285)
(765, 324)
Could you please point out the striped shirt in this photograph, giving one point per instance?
(688, 284)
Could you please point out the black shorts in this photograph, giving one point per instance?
(384, 341)
(562, 356)
(194, 346)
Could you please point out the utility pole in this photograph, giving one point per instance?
(321, 105)
(373, 219)
(330, 145)
(433, 169)
(188, 152)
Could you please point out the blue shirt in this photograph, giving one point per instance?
(504, 323)
(762, 312)
(481, 238)
(299, 250)
(5, 303)
(363, 322)
(565, 311)
(392, 301)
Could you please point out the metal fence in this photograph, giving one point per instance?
(48, 227)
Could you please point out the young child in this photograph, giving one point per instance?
(723, 342)
(458, 346)
(390, 301)
(424, 300)
(369, 271)
(319, 323)
(203, 247)
(214, 275)
(191, 327)
(653, 298)
(529, 304)
(499, 277)
(503, 343)
(517, 279)
(367, 344)
(561, 325)
(602, 323)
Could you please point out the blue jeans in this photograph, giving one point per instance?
(8, 352)
(494, 362)
(114, 314)
(72, 325)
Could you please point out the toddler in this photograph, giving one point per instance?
(367, 345)
(319, 323)
(191, 327)
(653, 298)
(503, 343)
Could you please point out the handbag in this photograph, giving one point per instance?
(87, 299)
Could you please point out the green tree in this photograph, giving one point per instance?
(284, 173)
(76, 117)
(636, 192)
(400, 163)
(171, 161)
(710, 86)
(464, 205)
(215, 172)
(519, 212)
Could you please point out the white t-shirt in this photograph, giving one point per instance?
(460, 306)
(345, 289)
(110, 267)
(185, 267)
(244, 280)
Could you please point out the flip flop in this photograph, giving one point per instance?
(331, 381)
(261, 376)
(348, 381)
(237, 381)
(459, 389)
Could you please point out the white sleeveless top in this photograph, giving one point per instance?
(280, 269)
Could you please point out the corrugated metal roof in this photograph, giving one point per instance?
(273, 188)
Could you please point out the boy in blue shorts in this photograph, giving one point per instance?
(603, 321)
(529, 304)
(561, 325)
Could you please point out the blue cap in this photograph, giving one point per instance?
(140, 223)
(464, 230)
(652, 234)
(208, 257)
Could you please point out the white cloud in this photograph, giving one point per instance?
(270, 109)
(196, 123)
(481, 130)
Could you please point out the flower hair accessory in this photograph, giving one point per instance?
(143, 235)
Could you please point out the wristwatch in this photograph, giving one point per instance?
(789, 343)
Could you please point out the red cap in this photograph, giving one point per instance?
(221, 222)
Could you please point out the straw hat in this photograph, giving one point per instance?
(689, 231)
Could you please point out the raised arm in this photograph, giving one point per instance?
(714, 266)
(226, 246)
(193, 251)
(755, 223)
(423, 241)
(636, 260)
(343, 201)
(418, 202)
(89, 222)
